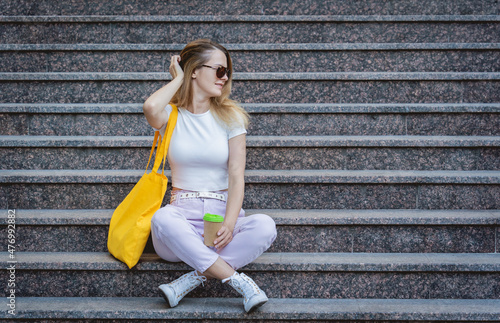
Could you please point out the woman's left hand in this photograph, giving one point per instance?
(224, 236)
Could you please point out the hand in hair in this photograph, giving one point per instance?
(175, 68)
(154, 107)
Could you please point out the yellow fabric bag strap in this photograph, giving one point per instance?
(157, 133)
(161, 154)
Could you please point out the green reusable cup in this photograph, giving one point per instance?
(211, 225)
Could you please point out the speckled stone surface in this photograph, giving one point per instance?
(287, 120)
(47, 33)
(459, 60)
(64, 239)
(291, 124)
(76, 158)
(390, 285)
(265, 124)
(376, 158)
(4, 200)
(454, 239)
(254, 32)
(43, 238)
(384, 239)
(299, 158)
(288, 217)
(386, 91)
(298, 230)
(281, 262)
(498, 240)
(366, 61)
(424, 239)
(77, 92)
(230, 310)
(286, 177)
(23, 62)
(265, 158)
(325, 276)
(89, 124)
(313, 284)
(259, 7)
(489, 92)
(346, 196)
(268, 108)
(463, 124)
(341, 124)
(273, 196)
(55, 196)
(239, 49)
(459, 197)
(389, 124)
(117, 61)
(366, 92)
(382, 254)
(76, 124)
(13, 124)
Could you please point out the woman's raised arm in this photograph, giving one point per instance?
(154, 107)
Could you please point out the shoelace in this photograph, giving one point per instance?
(195, 277)
(192, 278)
(246, 288)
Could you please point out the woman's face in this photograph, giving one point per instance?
(205, 79)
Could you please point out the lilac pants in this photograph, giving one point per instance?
(177, 228)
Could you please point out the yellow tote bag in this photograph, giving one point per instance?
(131, 221)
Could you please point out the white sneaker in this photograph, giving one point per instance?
(253, 295)
(173, 292)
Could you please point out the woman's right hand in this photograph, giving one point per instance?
(154, 106)
(175, 68)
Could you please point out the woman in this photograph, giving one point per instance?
(207, 156)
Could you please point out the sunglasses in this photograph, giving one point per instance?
(220, 71)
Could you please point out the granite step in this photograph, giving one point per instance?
(379, 231)
(264, 152)
(455, 119)
(301, 57)
(267, 189)
(382, 283)
(322, 275)
(338, 87)
(135, 309)
(251, 29)
(242, 7)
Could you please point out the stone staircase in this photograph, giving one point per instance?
(374, 144)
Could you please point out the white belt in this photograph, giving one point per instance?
(208, 195)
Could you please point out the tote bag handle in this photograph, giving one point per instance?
(161, 152)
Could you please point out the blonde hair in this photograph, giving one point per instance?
(193, 56)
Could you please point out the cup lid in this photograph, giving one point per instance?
(213, 218)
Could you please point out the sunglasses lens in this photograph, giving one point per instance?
(221, 71)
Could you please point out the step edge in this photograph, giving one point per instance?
(261, 76)
(35, 176)
(257, 47)
(282, 217)
(403, 141)
(287, 262)
(231, 308)
(248, 18)
(318, 108)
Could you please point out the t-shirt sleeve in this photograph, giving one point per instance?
(168, 108)
(236, 130)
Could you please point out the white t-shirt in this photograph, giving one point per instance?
(199, 151)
